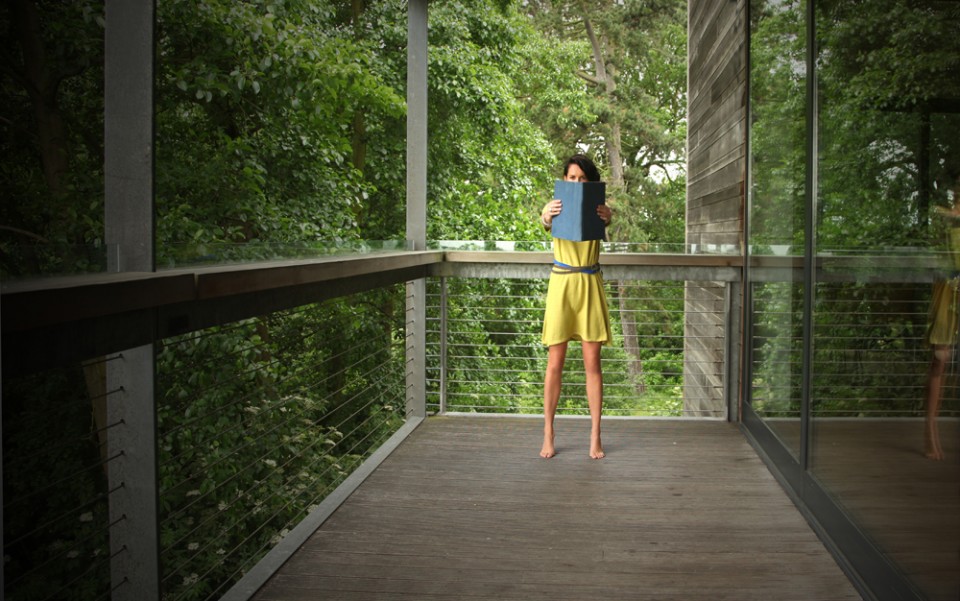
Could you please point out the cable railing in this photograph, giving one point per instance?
(296, 401)
(870, 356)
(260, 416)
(258, 421)
(485, 354)
(55, 490)
(494, 361)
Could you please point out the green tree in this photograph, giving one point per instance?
(489, 164)
(51, 140)
(255, 106)
(620, 93)
(622, 97)
(889, 79)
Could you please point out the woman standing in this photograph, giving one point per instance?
(576, 310)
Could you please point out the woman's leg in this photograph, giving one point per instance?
(591, 364)
(551, 395)
(931, 433)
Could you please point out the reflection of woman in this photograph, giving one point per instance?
(576, 310)
(942, 331)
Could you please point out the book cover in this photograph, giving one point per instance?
(578, 219)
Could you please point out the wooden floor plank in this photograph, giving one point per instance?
(465, 509)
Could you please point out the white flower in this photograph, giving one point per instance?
(191, 580)
(270, 462)
(193, 546)
(73, 554)
(193, 493)
(222, 506)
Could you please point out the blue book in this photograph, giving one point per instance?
(578, 219)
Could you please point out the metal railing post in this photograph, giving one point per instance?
(416, 349)
(443, 346)
(732, 308)
(134, 542)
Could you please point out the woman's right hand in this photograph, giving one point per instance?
(549, 211)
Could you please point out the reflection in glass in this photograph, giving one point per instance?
(51, 139)
(889, 155)
(776, 358)
(776, 213)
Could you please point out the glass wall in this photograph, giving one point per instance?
(776, 215)
(855, 173)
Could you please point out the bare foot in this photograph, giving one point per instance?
(596, 447)
(933, 451)
(548, 450)
(931, 445)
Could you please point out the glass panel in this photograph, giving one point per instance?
(277, 129)
(51, 139)
(889, 177)
(776, 213)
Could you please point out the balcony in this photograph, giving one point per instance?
(680, 509)
(377, 451)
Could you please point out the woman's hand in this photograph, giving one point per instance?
(549, 211)
(605, 213)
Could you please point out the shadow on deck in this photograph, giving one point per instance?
(465, 509)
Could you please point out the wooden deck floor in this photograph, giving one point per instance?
(465, 509)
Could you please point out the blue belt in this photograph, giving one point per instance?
(564, 269)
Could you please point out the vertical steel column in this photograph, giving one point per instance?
(745, 367)
(810, 232)
(2, 497)
(416, 202)
(443, 346)
(129, 233)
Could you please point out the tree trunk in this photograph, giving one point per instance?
(615, 183)
(630, 340)
(359, 137)
(41, 85)
(95, 375)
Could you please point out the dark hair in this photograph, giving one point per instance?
(585, 164)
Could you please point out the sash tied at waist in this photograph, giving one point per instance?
(564, 269)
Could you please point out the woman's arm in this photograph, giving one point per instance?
(549, 211)
(605, 213)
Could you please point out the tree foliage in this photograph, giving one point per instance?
(888, 150)
(51, 142)
(617, 82)
(280, 129)
(253, 142)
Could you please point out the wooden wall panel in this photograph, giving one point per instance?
(716, 160)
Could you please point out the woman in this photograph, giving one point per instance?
(943, 327)
(576, 310)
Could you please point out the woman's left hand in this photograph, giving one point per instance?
(605, 213)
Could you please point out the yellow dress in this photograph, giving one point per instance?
(944, 310)
(576, 303)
